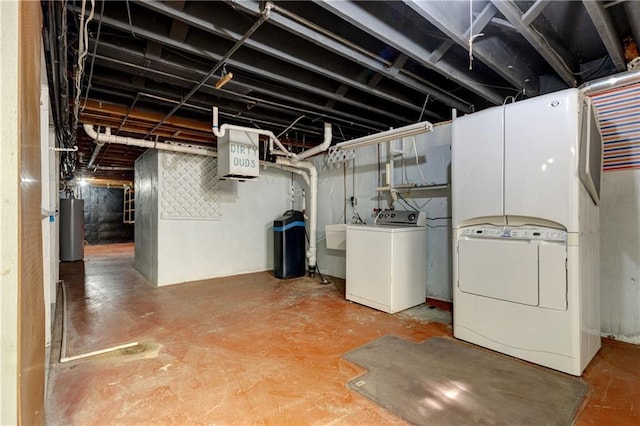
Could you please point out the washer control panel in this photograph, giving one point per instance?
(514, 232)
(400, 218)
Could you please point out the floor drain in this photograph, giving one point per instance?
(133, 350)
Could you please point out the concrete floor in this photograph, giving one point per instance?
(249, 349)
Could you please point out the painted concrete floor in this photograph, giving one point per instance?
(249, 349)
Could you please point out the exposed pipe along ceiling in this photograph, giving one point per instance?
(306, 75)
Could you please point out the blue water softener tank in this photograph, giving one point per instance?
(289, 245)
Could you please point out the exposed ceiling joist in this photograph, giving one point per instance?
(604, 24)
(534, 11)
(481, 20)
(173, 73)
(452, 18)
(148, 116)
(307, 30)
(555, 55)
(280, 73)
(401, 41)
(632, 9)
(362, 65)
(307, 60)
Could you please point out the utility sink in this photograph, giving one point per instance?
(336, 236)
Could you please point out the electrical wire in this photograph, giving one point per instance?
(406, 202)
(83, 50)
(472, 36)
(344, 190)
(415, 151)
(93, 58)
(131, 22)
(290, 126)
(567, 68)
(423, 107)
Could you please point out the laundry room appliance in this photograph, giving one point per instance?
(289, 242)
(525, 191)
(387, 261)
(71, 229)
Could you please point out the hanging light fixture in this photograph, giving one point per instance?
(224, 79)
(388, 135)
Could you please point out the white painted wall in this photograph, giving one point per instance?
(240, 242)
(432, 166)
(9, 172)
(620, 254)
(172, 251)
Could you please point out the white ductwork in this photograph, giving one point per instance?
(313, 205)
(622, 79)
(121, 140)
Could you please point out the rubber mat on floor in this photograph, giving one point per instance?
(442, 381)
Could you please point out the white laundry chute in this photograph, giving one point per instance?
(238, 155)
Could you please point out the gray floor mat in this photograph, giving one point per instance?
(442, 381)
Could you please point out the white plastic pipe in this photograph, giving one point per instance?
(313, 204)
(300, 172)
(97, 149)
(222, 130)
(114, 168)
(319, 148)
(298, 167)
(74, 149)
(121, 140)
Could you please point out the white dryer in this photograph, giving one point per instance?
(525, 189)
(387, 261)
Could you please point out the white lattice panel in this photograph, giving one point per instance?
(190, 188)
(337, 156)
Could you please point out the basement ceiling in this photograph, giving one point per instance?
(150, 68)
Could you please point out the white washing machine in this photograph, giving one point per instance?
(387, 261)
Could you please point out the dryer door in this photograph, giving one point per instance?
(502, 269)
